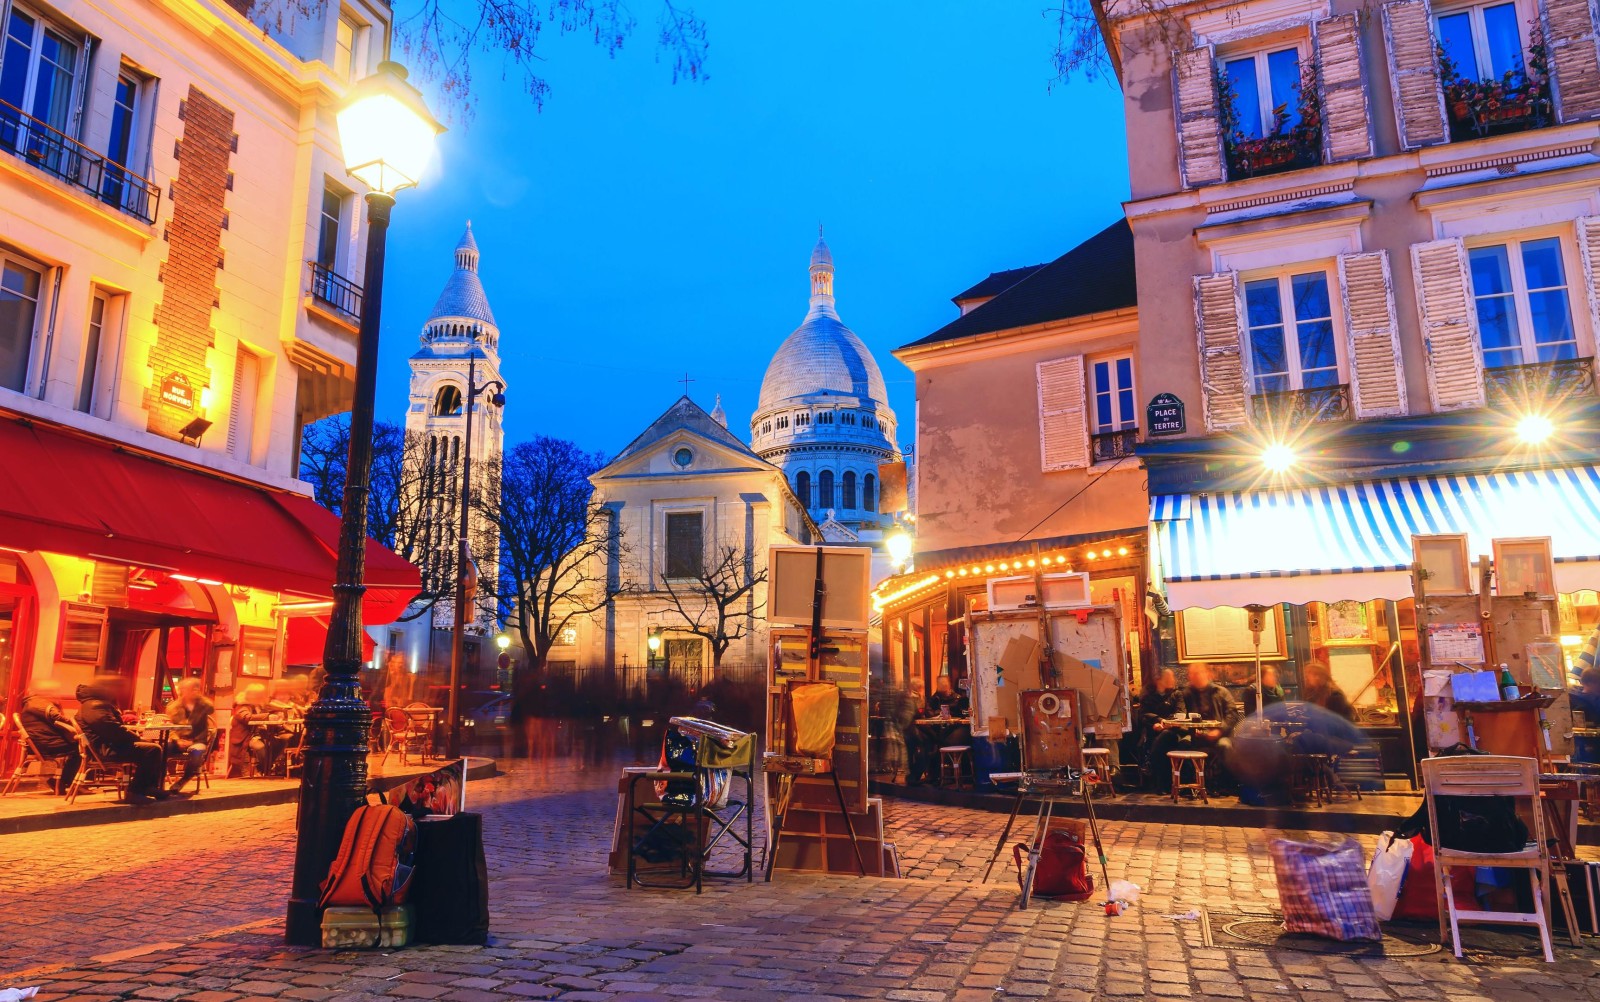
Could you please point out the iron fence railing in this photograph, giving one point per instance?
(1289, 408)
(1539, 383)
(333, 289)
(1110, 446)
(61, 156)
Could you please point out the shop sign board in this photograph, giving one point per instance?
(1164, 415)
(176, 391)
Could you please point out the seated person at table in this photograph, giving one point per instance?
(923, 741)
(193, 711)
(1269, 682)
(1586, 698)
(102, 725)
(50, 731)
(944, 694)
(1317, 687)
(252, 732)
(1209, 700)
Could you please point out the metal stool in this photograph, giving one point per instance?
(951, 758)
(1097, 769)
(1177, 758)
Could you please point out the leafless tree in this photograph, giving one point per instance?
(719, 602)
(558, 548)
(1086, 45)
(407, 502)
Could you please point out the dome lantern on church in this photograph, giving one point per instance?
(823, 416)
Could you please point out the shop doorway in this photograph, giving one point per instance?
(18, 612)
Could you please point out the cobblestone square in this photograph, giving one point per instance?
(191, 908)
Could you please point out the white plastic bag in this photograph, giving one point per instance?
(1388, 870)
(1125, 891)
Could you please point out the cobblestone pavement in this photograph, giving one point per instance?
(190, 908)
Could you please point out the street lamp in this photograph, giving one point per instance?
(1535, 429)
(463, 551)
(1278, 458)
(653, 641)
(503, 641)
(387, 137)
(899, 546)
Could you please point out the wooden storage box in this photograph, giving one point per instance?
(362, 928)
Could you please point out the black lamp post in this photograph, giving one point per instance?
(463, 549)
(388, 136)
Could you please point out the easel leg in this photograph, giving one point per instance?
(775, 832)
(849, 825)
(1035, 847)
(1004, 834)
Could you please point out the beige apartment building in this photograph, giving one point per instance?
(1028, 413)
(1367, 244)
(180, 283)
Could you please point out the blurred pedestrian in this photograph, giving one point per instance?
(193, 711)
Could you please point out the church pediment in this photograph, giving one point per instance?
(683, 453)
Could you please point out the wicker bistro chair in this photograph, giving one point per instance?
(401, 733)
(693, 798)
(97, 774)
(1488, 776)
(30, 755)
(811, 716)
(203, 777)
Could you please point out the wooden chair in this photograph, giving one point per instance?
(1488, 776)
(1097, 770)
(955, 761)
(401, 734)
(203, 777)
(794, 761)
(1198, 760)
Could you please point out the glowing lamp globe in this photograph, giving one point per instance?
(654, 641)
(1535, 429)
(1278, 458)
(899, 545)
(503, 641)
(386, 131)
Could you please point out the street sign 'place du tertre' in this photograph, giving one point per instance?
(1164, 415)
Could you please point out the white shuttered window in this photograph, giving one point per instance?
(1222, 377)
(242, 417)
(1063, 423)
(1199, 127)
(1449, 331)
(1377, 378)
(1346, 118)
(1414, 73)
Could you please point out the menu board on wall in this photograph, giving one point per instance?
(1223, 634)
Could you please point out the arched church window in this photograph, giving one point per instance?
(825, 489)
(866, 420)
(869, 488)
(448, 401)
(849, 492)
(826, 417)
(802, 488)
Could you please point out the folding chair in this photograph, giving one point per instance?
(95, 774)
(807, 751)
(30, 755)
(1488, 776)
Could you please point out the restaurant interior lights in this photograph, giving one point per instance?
(1534, 429)
(1278, 458)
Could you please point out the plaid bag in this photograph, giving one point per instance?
(1323, 889)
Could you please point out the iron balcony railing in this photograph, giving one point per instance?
(1539, 383)
(1289, 408)
(1110, 446)
(59, 155)
(333, 289)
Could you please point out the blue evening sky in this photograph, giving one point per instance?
(636, 229)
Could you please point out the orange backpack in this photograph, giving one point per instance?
(373, 867)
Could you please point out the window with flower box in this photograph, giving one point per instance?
(1267, 103)
(1494, 68)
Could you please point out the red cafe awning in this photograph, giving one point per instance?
(305, 638)
(89, 497)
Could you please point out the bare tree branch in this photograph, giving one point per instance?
(718, 603)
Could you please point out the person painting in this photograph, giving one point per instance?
(193, 710)
(51, 732)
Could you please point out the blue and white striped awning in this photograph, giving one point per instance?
(1353, 541)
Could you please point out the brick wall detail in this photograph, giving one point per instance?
(194, 246)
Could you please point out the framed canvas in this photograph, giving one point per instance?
(1444, 562)
(1346, 620)
(1524, 566)
(1223, 634)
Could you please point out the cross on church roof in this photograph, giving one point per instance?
(686, 381)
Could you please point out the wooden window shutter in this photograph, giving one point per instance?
(1589, 248)
(1199, 126)
(1346, 119)
(1449, 325)
(1569, 31)
(1216, 309)
(1377, 378)
(1414, 73)
(1063, 420)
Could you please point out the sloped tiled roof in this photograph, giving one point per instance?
(685, 415)
(996, 283)
(1096, 276)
